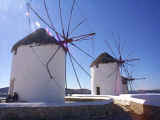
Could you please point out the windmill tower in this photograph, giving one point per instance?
(39, 60)
(106, 72)
(32, 69)
(127, 83)
(105, 75)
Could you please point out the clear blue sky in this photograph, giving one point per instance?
(137, 22)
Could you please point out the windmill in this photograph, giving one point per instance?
(123, 62)
(64, 36)
(106, 70)
(129, 82)
(45, 70)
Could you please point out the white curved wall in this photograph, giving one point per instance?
(32, 82)
(104, 76)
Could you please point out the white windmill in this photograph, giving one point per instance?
(32, 68)
(128, 83)
(39, 60)
(106, 72)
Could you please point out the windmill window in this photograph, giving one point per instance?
(15, 52)
(97, 90)
(97, 65)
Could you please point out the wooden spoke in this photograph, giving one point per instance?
(36, 13)
(71, 12)
(119, 45)
(110, 48)
(129, 64)
(109, 75)
(76, 27)
(86, 35)
(131, 60)
(49, 72)
(129, 55)
(93, 45)
(49, 18)
(123, 46)
(115, 90)
(44, 64)
(130, 79)
(49, 60)
(143, 78)
(39, 58)
(66, 70)
(82, 51)
(74, 70)
(115, 41)
(47, 65)
(79, 65)
(29, 19)
(61, 19)
(125, 70)
(81, 39)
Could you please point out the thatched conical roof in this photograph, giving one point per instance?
(40, 36)
(103, 59)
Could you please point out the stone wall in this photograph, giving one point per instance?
(147, 112)
(140, 111)
(83, 112)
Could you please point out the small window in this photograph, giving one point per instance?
(97, 65)
(15, 52)
(98, 90)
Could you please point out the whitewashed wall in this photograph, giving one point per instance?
(105, 77)
(32, 82)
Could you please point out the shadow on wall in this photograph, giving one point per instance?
(150, 110)
(116, 112)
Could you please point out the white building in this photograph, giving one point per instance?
(105, 76)
(30, 78)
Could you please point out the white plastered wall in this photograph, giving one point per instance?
(32, 81)
(107, 77)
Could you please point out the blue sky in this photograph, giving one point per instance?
(137, 23)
